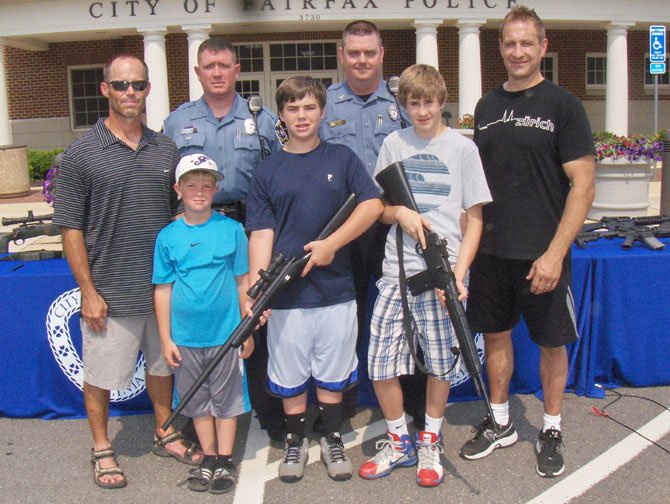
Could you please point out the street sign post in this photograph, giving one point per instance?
(656, 61)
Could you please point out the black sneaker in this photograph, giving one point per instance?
(487, 439)
(548, 450)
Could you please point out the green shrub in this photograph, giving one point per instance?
(40, 161)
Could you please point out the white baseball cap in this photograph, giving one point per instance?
(197, 162)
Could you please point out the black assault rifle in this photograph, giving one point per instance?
(438, 275)
(281, 272)
(29, 227)
(645, 230)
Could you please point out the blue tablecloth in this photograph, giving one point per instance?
(622, 300)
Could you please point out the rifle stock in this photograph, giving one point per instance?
(280, 274)
(22, 233)
(393, 181)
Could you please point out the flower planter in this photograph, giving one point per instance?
(467, 132)
(622, 188)
(14, 173)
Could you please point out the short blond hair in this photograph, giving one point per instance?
(196, 176)
(523, 13)
(421, 81)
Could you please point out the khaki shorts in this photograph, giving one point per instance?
(110, 356)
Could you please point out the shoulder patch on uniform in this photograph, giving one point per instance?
(281, 132)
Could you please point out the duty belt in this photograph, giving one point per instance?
(235, 210)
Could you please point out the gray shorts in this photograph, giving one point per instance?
(318, 343)
(110, 356)
(223, 394)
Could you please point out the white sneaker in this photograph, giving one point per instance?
(429, 472)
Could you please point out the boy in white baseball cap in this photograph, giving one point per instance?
(200, 277)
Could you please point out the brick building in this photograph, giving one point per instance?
(53, 52)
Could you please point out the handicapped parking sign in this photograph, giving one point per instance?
(657, 44)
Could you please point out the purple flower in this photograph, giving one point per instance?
(49, 184)
(632, 148)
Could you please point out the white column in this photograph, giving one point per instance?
(197, 34)
(5, 131)
(158, 101)
(469, 65)
(616, 89)
(426, 41)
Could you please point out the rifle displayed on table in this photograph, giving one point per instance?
(281, 272)
(30, 226)
(645, 230)
(438, 275)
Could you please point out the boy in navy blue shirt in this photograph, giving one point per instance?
(312, 330)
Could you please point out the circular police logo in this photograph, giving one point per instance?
(60, 340)
(463, 375)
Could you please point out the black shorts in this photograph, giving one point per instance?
(499, 294)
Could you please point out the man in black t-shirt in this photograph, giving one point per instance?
(537, 150)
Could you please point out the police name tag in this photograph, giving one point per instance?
(249, 126)
(189, 130)
(339, 122)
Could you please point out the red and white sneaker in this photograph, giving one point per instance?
(429, 472)
(395, 451)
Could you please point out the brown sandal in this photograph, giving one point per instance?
(158, 448)
(98, 472)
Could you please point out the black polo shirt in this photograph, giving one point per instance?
(120, 198)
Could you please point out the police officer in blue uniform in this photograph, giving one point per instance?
(222, 125)
(360, 113)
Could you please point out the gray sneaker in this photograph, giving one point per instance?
(292, 467)
(332, 454)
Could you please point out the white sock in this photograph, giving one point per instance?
(398, 427)
(501, 412)
(434, 424)
(551, 421)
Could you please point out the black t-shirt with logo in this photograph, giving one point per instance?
(524, 138)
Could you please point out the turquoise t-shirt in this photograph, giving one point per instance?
(202, 262)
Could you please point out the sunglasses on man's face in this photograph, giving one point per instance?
(123, 85)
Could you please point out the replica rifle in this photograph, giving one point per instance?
(645, 230)
(29, 227)
(438, 275)
(272, 282)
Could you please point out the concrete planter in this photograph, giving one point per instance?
(622, 188)
(14, 173)
(468, 132)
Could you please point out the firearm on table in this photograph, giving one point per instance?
(281, 272)
(438, 275)
(30, 226)
(645, 230)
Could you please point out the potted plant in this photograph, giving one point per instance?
(466, 125)
(624, 167)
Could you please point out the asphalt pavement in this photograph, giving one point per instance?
(47, 461)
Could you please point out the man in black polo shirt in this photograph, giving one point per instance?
(115, 193)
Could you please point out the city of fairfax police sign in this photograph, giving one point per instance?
(134, 8)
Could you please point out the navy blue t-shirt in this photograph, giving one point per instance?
(296, 195)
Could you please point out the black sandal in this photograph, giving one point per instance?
(200, 478)
(223, 480)
(98, 472)
(158, 448)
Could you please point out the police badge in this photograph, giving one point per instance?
(249, 126)
(393, 112)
